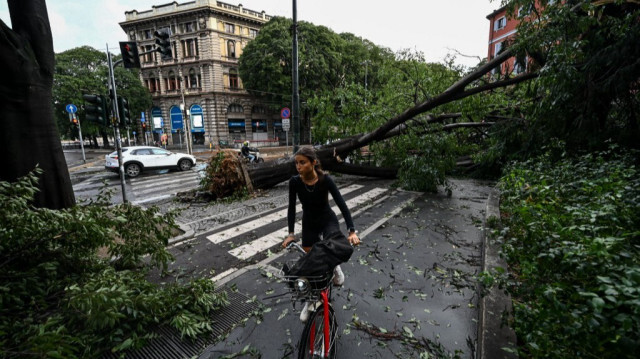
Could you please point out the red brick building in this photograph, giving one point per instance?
(503, 28)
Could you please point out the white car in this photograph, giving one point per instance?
(139, 158)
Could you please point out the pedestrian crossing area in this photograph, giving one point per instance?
(242, 242)
(144, 189)
(154, 188)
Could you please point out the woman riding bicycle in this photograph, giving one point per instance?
(312, 186)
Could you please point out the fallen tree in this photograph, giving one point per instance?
(331, 155)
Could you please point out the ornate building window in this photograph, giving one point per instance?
(194, 79)
(231, 48)
(235, 108)
(230, 28)
(233, 78)
(190, 48)
(173, 83)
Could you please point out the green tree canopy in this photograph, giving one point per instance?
(326, 60)
(84, 70)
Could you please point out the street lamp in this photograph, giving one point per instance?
(185, 123)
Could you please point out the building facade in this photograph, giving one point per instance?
(502, 29)
(207, 38)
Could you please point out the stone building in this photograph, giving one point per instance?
(207, 38)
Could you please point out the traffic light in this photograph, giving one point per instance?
(164, 44)
(144, 127)
(96, 110)
(125, 113)
(74, 121)
(130, 57)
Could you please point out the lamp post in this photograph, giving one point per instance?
(186, 123)
(186, 126)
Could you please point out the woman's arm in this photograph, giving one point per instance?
(291, 213)
(337, 197)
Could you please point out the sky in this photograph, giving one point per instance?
(434, 27)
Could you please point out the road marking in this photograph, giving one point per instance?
(252, 248)
(249, 226)
(151, 199)
(177, 187)
(224, 274)
(265, 263)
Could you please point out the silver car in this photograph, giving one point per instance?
(139, 158)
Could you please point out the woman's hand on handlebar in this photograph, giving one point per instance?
(353, 238)
(290, 238)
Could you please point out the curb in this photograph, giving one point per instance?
(493, 336)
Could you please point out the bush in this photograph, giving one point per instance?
(73, 281)
(572, 242)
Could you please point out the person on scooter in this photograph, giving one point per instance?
(246, 151)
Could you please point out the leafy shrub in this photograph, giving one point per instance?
(73, 281)
(572, 243)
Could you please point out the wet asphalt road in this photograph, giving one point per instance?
(409, 287)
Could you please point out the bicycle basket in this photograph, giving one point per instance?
(305, 285)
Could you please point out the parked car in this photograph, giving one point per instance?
(140, 158)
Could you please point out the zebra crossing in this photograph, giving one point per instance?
(243, 244)
(154, 188)
(140, 190)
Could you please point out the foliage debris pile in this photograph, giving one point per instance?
(572, 243)
(60, 299)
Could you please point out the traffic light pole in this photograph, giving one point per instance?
(295, 97)
(115, 120)
(71, 117)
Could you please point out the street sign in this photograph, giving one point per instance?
(71, 108)
(285, 113)
(286, 124)
(141, 116)
(134, 133)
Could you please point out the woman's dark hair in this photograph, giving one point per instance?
(310, 153)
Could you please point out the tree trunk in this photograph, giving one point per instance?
(270, 174)
(29, 133)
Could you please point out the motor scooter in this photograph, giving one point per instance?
(256, 156)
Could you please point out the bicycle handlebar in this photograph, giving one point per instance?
(297, 246)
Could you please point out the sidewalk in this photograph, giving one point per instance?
(410, 287)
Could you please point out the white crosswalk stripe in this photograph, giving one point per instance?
(249, 226)
(263, 243)
(144, 189)
(153, 188)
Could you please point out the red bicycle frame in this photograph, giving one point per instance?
(327, 336)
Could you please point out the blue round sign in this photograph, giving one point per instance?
(71, 108)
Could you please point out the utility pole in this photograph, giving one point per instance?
(185, 121)
(115, 120)
(294, 79)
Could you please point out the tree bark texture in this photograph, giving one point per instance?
(29, 134)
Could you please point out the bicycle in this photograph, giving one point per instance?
(318, 339)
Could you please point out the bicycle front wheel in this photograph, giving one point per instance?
(312, 342)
